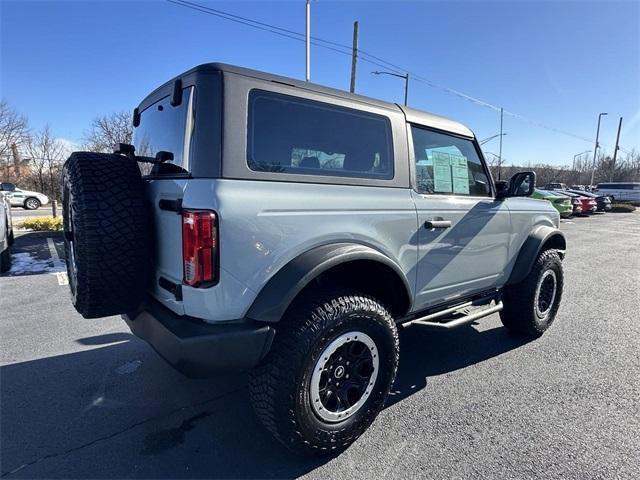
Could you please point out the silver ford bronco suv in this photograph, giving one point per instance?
(267, 224)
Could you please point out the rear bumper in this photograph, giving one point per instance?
(196, 348)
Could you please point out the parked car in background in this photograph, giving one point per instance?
(588, 205)
(562, 203)
(603, 201)
(619, 191)
(6, 234)
(23, 198)
(555, 186)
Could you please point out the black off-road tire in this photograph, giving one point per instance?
(280, 386)
(519, 313)
(106, 232)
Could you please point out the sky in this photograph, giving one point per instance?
(555, 63)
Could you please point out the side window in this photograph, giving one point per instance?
(448, 165)
(292, 135)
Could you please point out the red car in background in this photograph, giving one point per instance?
(587, 204)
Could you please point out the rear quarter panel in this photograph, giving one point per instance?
(264, 225)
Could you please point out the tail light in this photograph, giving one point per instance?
(199, 248)
(575, 201)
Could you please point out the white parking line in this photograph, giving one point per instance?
(52, 250)
(62, 277)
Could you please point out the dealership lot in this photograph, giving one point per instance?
(84, 399)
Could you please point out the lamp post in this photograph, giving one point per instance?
(573, 165)
(488, 139)
(406, 81)
(595, 148)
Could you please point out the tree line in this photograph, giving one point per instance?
(33, 159)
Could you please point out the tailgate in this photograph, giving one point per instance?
(166, 226)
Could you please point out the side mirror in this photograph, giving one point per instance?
(522, 184)
(502, 186)
(7, 187)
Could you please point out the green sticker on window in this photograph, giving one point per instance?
(460, 171)
(442, 172)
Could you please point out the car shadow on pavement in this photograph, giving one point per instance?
(117, 411)
(425, 353)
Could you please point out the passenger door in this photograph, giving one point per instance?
(463, 232)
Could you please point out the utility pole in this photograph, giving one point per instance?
(500, 151)
(308, 42)
(595, 149)
(354, 57)
(406, 88)
(615, 151)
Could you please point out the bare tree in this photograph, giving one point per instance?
(14, 132)
(108, 130)
(46, 156)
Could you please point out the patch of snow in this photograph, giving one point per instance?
(23, 263)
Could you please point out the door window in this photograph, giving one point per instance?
(448, 165)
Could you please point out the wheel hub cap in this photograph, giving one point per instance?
(344, 376)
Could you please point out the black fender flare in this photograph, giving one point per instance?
(278, 293)
(536, 242)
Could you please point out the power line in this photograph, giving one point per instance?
(369, 58)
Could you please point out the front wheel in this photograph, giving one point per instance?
(328, 374)
(530, 307)
(32, 203)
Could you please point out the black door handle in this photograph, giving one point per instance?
(437, 224)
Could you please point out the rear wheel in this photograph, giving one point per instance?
(32, 203)
(530, 307)
(328, 374)
(105, 233)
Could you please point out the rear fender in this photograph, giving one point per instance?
(276, 296)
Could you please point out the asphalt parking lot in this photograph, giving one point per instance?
(84, 399)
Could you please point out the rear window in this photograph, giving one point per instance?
(165, 127)
(297, 136)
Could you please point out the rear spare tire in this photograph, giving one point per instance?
(106, 233)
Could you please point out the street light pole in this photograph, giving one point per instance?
(500, 151)
(406, 82)
(488, 139)
(573, 165)
(595, 148)
(308, 43)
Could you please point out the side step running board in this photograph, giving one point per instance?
(430, 321)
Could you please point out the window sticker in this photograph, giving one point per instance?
(442, 172)
(460, 174)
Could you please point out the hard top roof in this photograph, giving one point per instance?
(412, 115)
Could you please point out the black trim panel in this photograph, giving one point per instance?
(198, 349)
(530, 250)
(274, 299)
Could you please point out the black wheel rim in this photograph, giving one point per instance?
(546, 293)
(344, 376)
